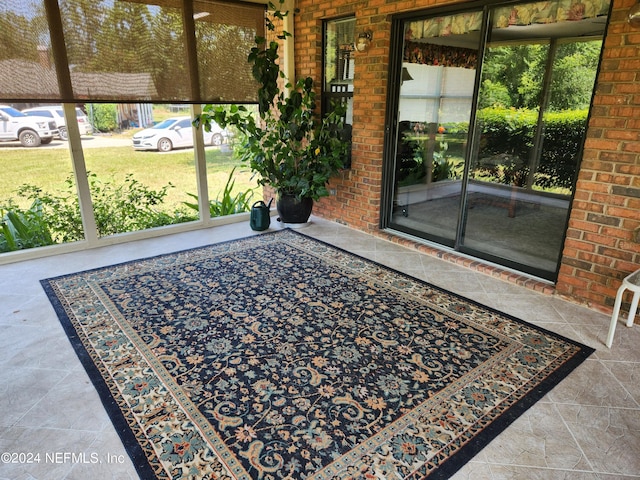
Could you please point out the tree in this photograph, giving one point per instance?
(513, 76)
(574, 74)
(517, 69)
(167, 62)
(220, 44)
(494, 94)
(16, 38)
(125, 28)
(81, 20)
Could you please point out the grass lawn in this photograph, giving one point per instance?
(49, 168)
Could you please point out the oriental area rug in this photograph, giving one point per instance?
(278, 356)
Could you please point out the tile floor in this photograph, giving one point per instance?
(587, 428)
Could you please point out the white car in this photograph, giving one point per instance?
(173, 133)
(56, 112)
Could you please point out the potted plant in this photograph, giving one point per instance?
(288, 146)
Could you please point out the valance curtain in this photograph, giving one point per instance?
(440, 55)
(503, 17)
(444, 26)
(128, 50)
(549, 12)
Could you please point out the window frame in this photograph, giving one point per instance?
(345, 92)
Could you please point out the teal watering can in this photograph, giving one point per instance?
(260, 218)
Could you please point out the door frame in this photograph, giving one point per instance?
(391, 132)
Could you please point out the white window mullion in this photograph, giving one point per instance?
(80, 172)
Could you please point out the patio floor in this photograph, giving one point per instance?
(588, 427)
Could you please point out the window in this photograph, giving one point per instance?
(124, 66)
(337, 85)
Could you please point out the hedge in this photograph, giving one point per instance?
(510, 133)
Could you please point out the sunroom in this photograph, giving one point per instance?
(505, 227)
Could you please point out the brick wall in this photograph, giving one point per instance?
(600, 247)
(358, 190)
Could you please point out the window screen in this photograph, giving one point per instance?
(225, 34)
(129, 50)
(26, 64)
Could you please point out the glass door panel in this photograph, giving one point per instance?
(435, 104)
(502, 211)
(533, 100)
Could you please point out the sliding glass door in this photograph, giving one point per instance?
(492, 108)
(440, 60)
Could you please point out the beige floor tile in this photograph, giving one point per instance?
(22, 388)
(592, 384)
(539, 438)
(587, 428)
(628, 374)
(474, 470)
(511, 472)
(44, 453)
(610, 450)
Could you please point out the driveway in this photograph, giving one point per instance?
(92, 141)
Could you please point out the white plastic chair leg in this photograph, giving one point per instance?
(614, 315)
(633, 309)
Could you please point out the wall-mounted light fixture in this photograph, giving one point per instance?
(363, 42)
(633, 17)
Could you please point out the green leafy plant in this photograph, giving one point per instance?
(444, 167)
(289, 147)
(20, 230)
(227, 203)
(118, 208)
(104, 117)
(129, 206)
(62, 211)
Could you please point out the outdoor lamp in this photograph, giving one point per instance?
(363, 41)
(633, 17)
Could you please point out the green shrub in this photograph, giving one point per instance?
(510, 134)
(130, 206)
(20, 230)
(63, 218)
(104, 117)
(563, 138)
(55, 218)
(118, 208)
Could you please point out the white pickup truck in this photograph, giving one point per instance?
(30, 131)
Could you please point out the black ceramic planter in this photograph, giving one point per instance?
(293, 210)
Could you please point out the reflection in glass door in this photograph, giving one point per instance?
(435, 104)
(486, 164)
(536, 87)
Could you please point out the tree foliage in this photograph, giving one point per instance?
(81, 20)
(104, 117)
(513, 76)
(15, 43)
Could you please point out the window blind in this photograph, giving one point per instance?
(128, 50)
